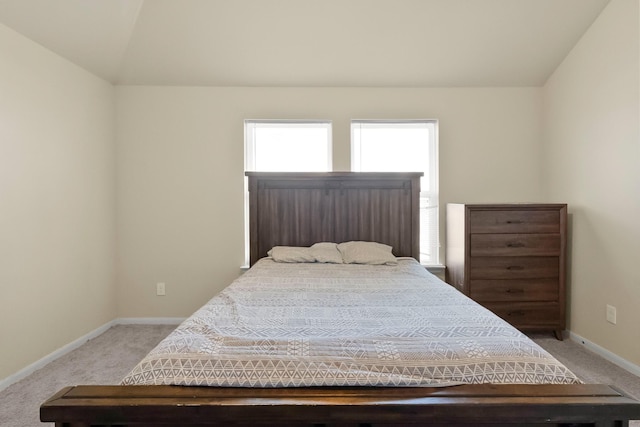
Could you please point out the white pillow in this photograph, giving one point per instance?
(367, 253)
(291, 254)
(326, 252)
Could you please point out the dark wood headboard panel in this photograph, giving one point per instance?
(300, 209)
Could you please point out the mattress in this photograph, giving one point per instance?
(313, 324)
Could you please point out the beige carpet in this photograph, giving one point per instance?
(105, 359)
(109, 357)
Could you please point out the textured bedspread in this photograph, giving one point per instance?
(293, 325)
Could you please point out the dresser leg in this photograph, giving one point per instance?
(558, 334)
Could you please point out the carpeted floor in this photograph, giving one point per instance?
(109, 357)
(105, 359)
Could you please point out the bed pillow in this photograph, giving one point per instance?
(366, 253)
(291, 254)
(327, 253)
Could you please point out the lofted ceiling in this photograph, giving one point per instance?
(397, 43)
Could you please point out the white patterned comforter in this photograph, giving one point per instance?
(294, 325)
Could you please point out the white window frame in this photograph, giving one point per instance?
(250, 126)
(429, 192)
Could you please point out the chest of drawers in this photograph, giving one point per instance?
(511, 258)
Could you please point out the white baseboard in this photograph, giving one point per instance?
(25, 372)
(606, 354)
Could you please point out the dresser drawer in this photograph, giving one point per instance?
(515, 244)
(514, 221)
(513, 267)
(486, 290)
(527, 315)
(511, 258)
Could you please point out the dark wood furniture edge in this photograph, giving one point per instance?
(458, 405)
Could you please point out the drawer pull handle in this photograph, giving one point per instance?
(514, 221)
(515, 267)
(515, 313)
(515, 291)
(515, 245)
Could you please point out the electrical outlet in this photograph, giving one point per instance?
(160, 289)
(611, 314)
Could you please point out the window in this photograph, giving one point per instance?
(284, 146)
(287, 146)
(403, 146)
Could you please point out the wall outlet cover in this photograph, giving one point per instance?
(611, 314)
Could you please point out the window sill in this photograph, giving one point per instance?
(436, 269)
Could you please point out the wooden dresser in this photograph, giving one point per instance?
(511, 259)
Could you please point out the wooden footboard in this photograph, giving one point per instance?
(478, 405)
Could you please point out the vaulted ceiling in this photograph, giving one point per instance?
(398, 43)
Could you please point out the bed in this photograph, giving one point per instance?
(329, 328)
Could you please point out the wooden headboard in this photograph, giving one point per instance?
(300, 209)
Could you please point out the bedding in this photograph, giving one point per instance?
(324, 252)
(366, 253)
(291, 254)
(316, 324)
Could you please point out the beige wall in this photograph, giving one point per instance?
(592, 160)
(180, 170)
(57, 181)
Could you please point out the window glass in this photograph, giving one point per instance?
(287, 146)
